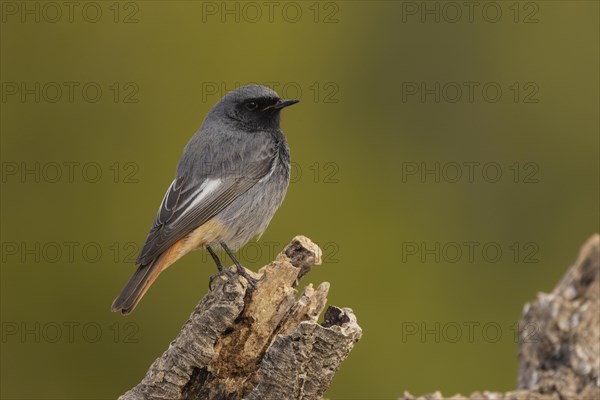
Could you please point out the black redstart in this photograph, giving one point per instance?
(230, 180)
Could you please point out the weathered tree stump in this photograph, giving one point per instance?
(264, 344)
(562, 360)
(267, 344)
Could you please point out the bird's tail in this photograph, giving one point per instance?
(146, 274)
(137, 286)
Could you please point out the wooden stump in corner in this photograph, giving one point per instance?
(559, 343)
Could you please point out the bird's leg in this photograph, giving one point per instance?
(215, 257)
(240, 270)
(220, 267)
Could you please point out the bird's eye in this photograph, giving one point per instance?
(251, 106)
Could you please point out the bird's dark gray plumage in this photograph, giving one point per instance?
(231, 178)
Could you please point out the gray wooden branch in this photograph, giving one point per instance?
(561, 360)
(264, 344)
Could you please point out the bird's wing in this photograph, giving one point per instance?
(191, 202)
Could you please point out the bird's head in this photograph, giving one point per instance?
(252, 107)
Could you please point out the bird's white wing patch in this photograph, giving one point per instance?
(208, 186)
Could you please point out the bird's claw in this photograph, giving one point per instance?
(252, 282)
(224, 271)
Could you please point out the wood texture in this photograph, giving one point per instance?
(264, 344)
(267, 344)
(561, 359)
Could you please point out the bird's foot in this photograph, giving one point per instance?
(222, 271)
(251, 281)
(240, 270)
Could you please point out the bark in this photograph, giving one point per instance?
(559, 346)
(264, 344)
(267, 344)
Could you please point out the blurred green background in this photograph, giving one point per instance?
(97, 105)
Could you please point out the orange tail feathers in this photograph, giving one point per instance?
(144, 277)
(137, 286)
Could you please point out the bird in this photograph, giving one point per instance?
(230, 180)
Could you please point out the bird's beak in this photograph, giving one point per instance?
(281, 104)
